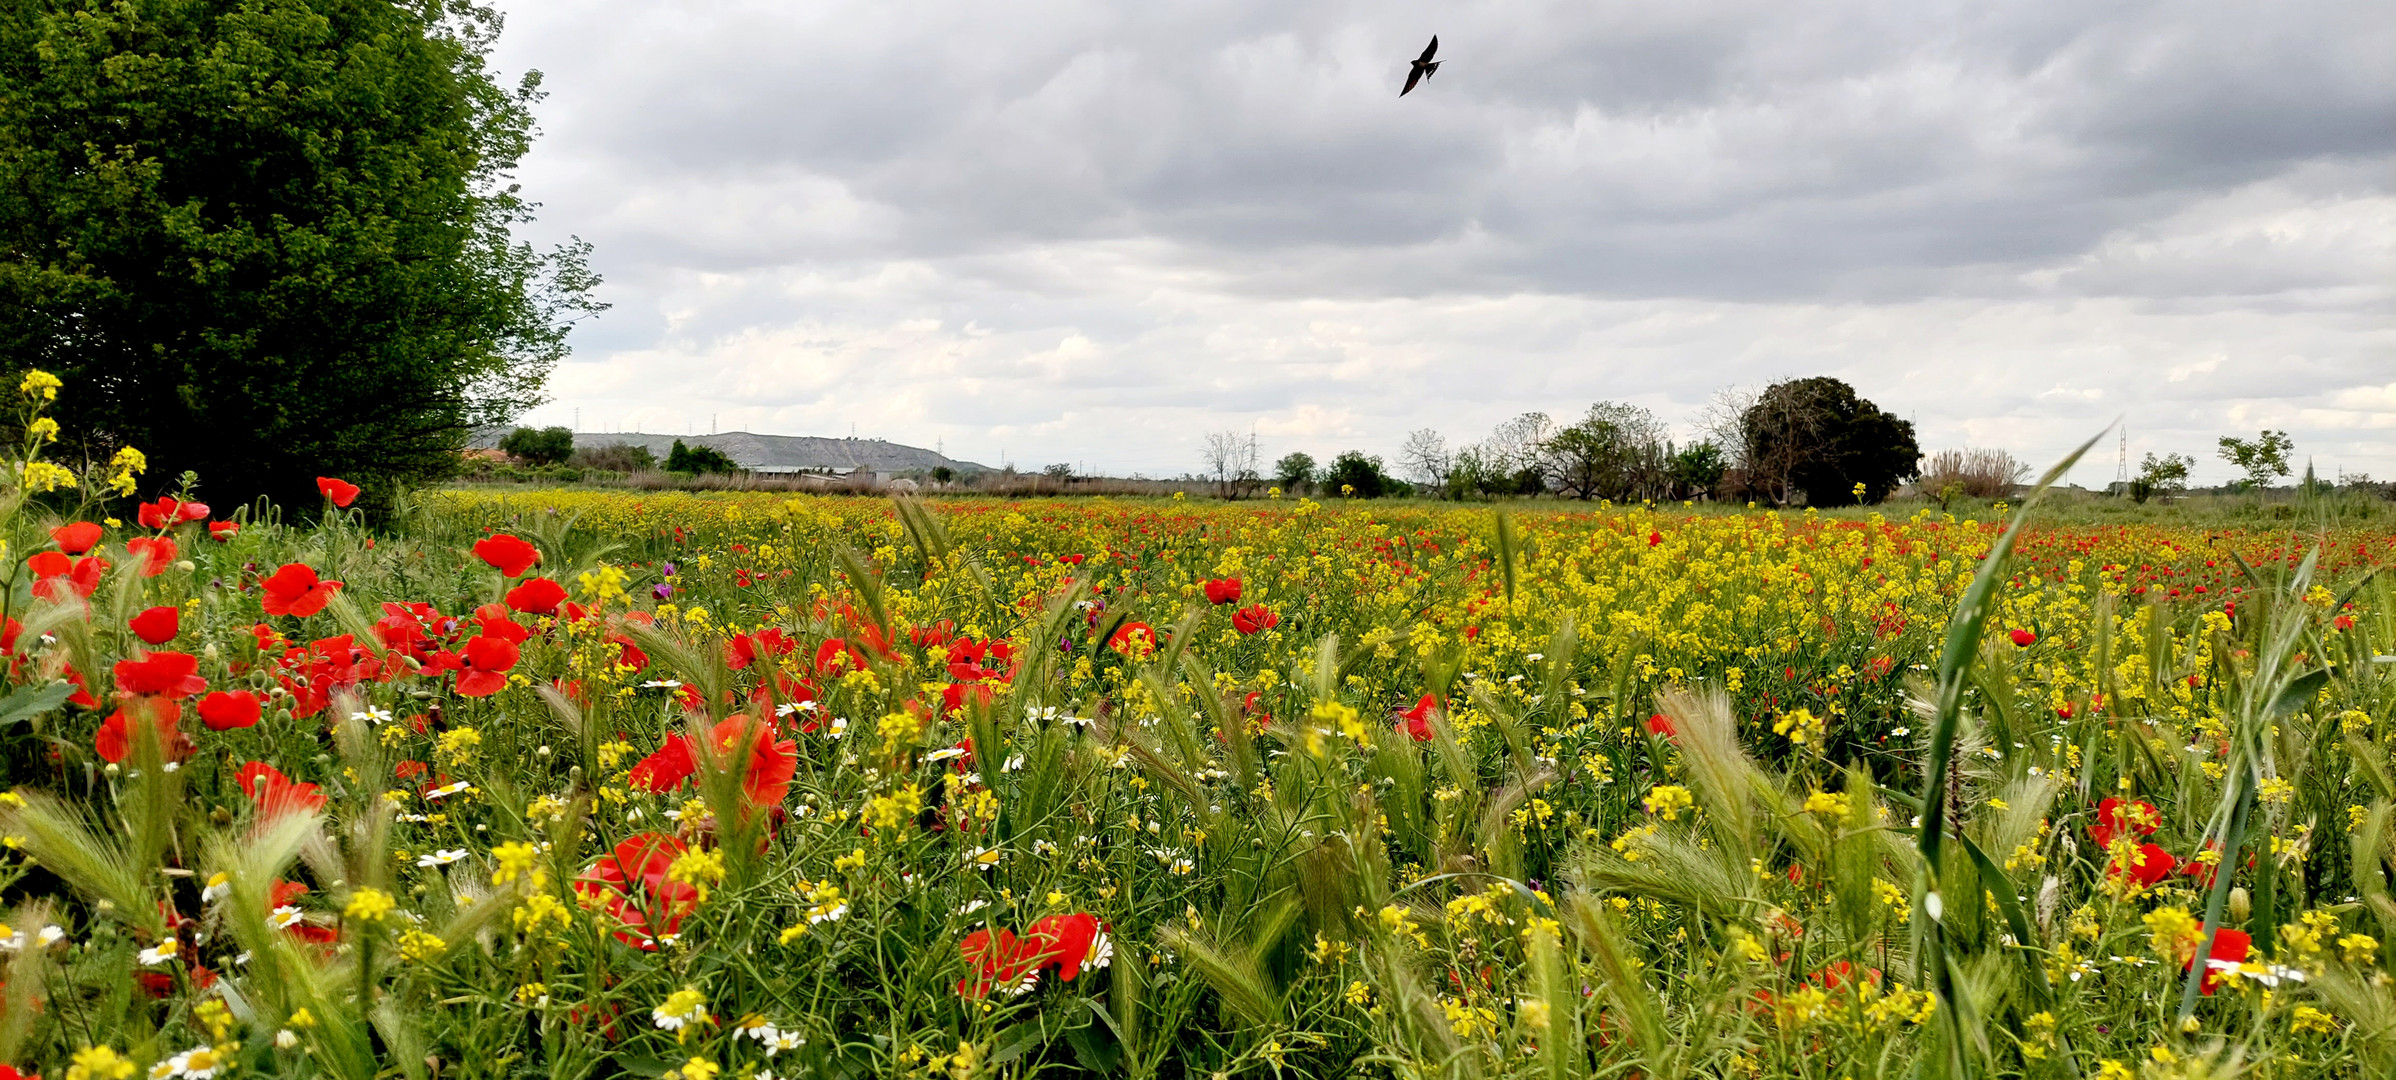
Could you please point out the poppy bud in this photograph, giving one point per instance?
(2242, 906)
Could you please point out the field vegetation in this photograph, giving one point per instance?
(732, 784)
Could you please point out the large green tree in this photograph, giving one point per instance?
(269, 239)
(1816, 439)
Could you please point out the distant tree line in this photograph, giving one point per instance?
(1810, 441)
(554, 446)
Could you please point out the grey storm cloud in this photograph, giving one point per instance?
(1091, 232)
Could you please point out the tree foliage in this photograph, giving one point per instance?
(2166, 475)
(2263, 458)
(539, 446)
(269, 239)
(1357, 476)
(1294, 468)
(1616, 451)
(1698, 468)
(1816, 440)
(698, 459)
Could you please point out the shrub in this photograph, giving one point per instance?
(1977, 474)
(616, 457)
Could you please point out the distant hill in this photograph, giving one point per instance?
(776, 453)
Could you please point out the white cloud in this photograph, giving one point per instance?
(1076, 231)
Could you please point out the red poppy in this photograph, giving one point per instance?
(156, 626)
(171, 674)
(744, 649)
(975, 661)
(82, 697)
(51, 570)
(1660, 724)
(1838, 975)
(49, 564)
(221, 531)
(1654, 538)
(1131, 636)
(1071, 944)
(2024, 638)
(295, 590)
(77, 537)
(167, 512)
(1255, 618)
(1223, 591)
(275, 793)
(958, 695)
(999, 960)
(157, 553)
(1417, 720)
(765, 777)
(2148, 865)
(2229, 951)
(225, 710)
(2117, 818)
(935, 635)
(114, 740)
(666, 769)
(537, 596)
(631, 884)
(488, 659)
(342, 492)
(837, 657)
(509, 554)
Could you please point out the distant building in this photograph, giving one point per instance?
(778, 455)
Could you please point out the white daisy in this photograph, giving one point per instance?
(1102, 953)
(285, 917)
(447, 790)
(197, 1063)
(160, 953)
(219, 884)
(441, 857)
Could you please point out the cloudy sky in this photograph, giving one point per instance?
(1092, 231)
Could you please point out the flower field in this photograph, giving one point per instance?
(580, 784)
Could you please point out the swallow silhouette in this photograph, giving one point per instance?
(1424, 67)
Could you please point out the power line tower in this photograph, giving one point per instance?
(2121, 472)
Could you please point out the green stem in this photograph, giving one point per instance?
(2232, 840)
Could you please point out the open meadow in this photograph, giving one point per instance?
(732, 785)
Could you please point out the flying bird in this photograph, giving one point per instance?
(1424, 67)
